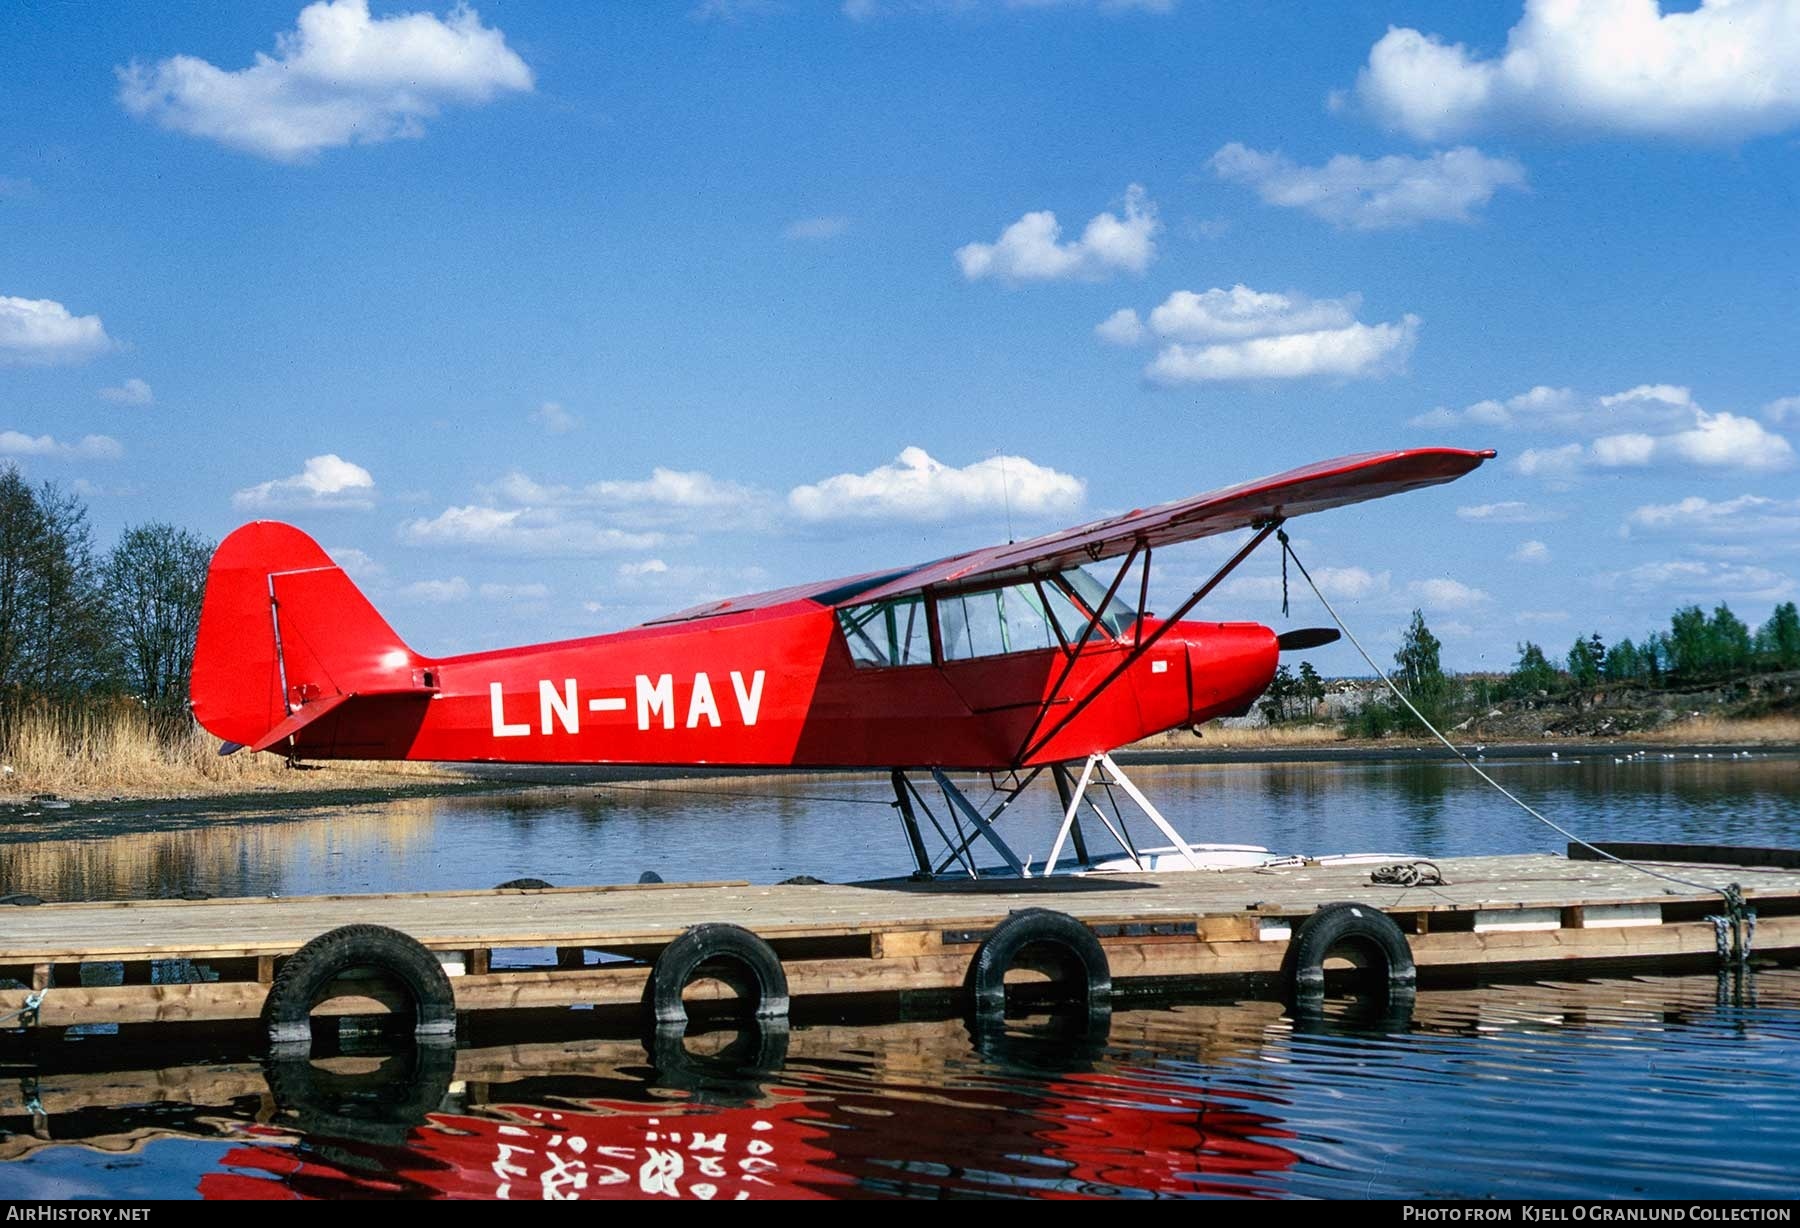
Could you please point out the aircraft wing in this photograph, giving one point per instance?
(1313, 488)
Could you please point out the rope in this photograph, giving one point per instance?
(1408, 874)
(1733, 896)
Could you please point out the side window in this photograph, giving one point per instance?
(886, 633)
(997, 621)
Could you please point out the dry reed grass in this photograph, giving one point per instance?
(1725, 730)
(1265, 737)
(117, 750)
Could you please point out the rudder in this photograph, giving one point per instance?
(283, 628)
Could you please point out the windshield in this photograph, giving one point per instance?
(1116, 618)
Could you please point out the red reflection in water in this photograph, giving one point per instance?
(1081, 1136)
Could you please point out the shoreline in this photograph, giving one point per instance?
(361, 787)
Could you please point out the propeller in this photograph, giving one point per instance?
(1302, 638)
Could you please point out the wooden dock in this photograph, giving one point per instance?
(121, 1108)
(161, 962)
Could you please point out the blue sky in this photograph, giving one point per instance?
(547, 318)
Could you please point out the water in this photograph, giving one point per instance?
(842, 828)
(1648, 1087)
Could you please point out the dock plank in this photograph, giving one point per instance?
(577, 917)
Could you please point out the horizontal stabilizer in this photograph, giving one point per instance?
(298, 720)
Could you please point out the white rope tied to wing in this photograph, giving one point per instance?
(1732, 893)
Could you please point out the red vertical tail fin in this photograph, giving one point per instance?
(285, 637)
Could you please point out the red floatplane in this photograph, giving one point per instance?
(1010, 660)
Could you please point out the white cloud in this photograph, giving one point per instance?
(88, 447)
(531, 531)
(1544, 408)
(514, 592)
(554, 418)
(1442, 593)
(1375, 193)
(1694, 515)
(357, 564)
(1240, 312)
(133, 391)
(1559, 464)
(1715, 441)
(1531, 552)
(649, 567)
(668, 496)
(915, 487)
(1547, 617)
(1511, 511)
(869, 10)
(1354, 352)
(1347, 583)
(1246, 334)
(324, 483)
(1727, 70)
(42, 332)
(1782, 411)
(1122, 327)
(437, 592)
(817, 229)
(1031, 249)
(340, 77)
(1707, 581)
(1650, 424)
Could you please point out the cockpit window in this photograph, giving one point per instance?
(1118, 615)
(995, 621)
(887, 632)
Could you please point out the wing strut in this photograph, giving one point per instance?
(1072, 652)
(1030, 746)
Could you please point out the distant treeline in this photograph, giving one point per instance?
(77, 622)
(1696, 650)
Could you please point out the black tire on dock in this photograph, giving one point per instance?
(304, 978)
(715, 951)
(1049, 941)
(1362, 934)
(521, 884)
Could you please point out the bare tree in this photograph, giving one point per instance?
(155, 579)
(21, 538)
(68, 636)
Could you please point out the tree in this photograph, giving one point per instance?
(1421, 670)
(21, 544)
(1778, 642)
(155, 579)
(1279, 696)
(1312, 687)
(1533, 672)
(1728, 642)
(1585, 660)
(68, 642)
(1624, 662)
(1686, 643)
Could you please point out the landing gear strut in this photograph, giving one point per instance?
(964, 822)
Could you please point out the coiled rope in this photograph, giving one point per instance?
(1737, 912)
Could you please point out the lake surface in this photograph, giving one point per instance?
(1657, 1087)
